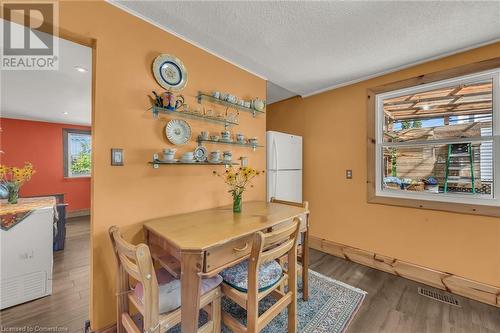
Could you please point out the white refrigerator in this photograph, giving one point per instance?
(284, 166)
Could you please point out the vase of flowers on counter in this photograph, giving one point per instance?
(12, 178)
(238, 179)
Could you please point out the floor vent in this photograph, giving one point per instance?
(439, 296)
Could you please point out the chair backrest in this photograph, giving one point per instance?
(270, 246)
(304, 204)
(135, 261)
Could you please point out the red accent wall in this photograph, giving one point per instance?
(41, 144)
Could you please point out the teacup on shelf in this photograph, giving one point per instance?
(169, 154)
(225, 136)
(252, 141)
(204, 135)
(228, 156)
(215, 157)
(240, 138)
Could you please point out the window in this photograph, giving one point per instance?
(437, 141)
(77, 147)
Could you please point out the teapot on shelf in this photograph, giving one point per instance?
(171, 102)
(258, 104)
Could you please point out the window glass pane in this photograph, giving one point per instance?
(444, 168)
(461, 111)
(79, 154)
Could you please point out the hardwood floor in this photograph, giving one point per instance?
(392, 304)
(67, 307)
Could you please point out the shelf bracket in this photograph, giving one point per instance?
(155, 158)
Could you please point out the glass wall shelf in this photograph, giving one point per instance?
(209, 98)
(156, 162)
(220, 120)
(234, 143)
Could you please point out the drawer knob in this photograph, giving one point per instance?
(241, 248)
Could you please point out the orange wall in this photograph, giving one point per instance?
(41, 144)
(334, 128)
(125, 49)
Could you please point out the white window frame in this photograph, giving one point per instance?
(67, 134)
(478, 199)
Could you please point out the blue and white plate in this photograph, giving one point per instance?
(170, 72)
(200, 154)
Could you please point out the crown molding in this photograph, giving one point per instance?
(396, 69)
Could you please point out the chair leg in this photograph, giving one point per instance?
(292, 288)
(215, 313)
(305, 266)
(122, 299)
(252, 310)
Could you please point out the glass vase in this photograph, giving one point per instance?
(237, 203)
(13, 189)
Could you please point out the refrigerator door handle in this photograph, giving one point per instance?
(275, 155)
(275, 184)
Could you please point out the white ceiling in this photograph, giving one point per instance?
(46, 95)
(308, 47)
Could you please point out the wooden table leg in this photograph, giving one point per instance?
(191, 264)
(305, 266)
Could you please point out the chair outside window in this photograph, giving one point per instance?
(250, 281)
(157, 294)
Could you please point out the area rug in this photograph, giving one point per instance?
(331, 307)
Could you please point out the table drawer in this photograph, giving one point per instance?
(226, 253)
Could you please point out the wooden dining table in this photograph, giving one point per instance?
(200, 244)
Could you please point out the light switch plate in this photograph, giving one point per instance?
(348, 174)
(117, 157)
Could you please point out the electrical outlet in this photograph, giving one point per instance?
(348, 174)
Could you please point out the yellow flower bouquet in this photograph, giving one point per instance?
(12, 178)
(238, 179)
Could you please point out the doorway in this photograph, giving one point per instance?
(46, 123)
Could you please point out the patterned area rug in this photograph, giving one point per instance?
(331, 306)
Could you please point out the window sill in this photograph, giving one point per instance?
(452, 207)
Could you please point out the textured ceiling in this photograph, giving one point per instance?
(307, 47)
(47, 95)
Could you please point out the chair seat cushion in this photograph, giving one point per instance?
(169, 290)
(237, 276)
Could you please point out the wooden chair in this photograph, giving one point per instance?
(135, 261)
(303, 248)
(266, 248)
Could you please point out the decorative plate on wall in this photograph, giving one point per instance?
(200, 154)
(170, 72)
(178, 131)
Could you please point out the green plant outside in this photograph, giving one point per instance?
(81, 165)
